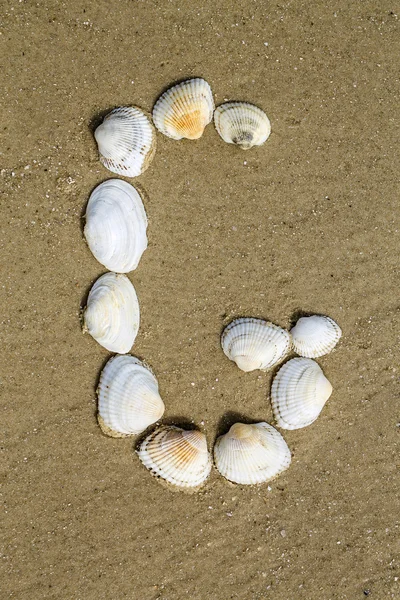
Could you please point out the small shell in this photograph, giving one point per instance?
(184, 110)
(178, 456)
(255, 344)
(128, 398)
(116, 225)
(242, 123)
(126, 141)
(112, 313)
(315, 336)
(251, 454)
(299, 392)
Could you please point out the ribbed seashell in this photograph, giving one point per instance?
(184, 110)
(299, 392)
(126, 140)
(315, 336)
(251, 454)
(116, 225)
(112, 313)
(128, 398)
(178, 456)
(242, 123)
(255, 343)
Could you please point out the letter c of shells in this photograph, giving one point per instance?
(315, 336)
(242, 123)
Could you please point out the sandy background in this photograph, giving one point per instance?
(309, 222)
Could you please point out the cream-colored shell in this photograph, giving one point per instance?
(116, 225)
(126, 140)
(184, 110)
(315, 336)
(251, 454)
(299, 392)
(255, 343)
(128, 398)
(242, 123)
(112, 313)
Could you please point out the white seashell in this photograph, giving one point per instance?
(128, 398)
(184, 110)
(242, 123)
(315, 336)
(251, 454)
(255, 343)
(116, 225)
(299, 392)
(126, 140)
(178, 456)
(112, 313)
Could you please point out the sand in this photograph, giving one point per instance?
(308, 222)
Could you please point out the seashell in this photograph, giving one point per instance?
(251, 454)
(242, 123)
(126, 140)
(255, 343)
(315, 336)
(178, 456)
(128, 398)
(112, 313)
(116, 225)
(299, 392)
(184, 110)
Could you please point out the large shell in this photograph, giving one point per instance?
(242, 123)
(299, 392)
(255, 343)
(178, 456)
(184, 110)
(126, 141)
(112, 313)
(251, 454)
(315, 336)
(128, 398)
(116, 225)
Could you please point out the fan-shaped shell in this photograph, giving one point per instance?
(126, 140)
(184, 110)
(299, 392)
(178, 456)
(112, 313)
(128, 398)
(255, 343)
(116, 225)
(251, 454)
(315, 336)
(242, 123)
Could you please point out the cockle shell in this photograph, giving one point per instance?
(315, 336)
(128, 398)
(126, 140)
(299, 392)
(242, 123)
(255, 343)
(112, 313)
(178, 456)
(251, 454)
(116, 225)
(184, 110)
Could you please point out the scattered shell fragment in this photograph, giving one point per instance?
(116, 225)
(112, 313)
(255, 343)
(126, 140)
(299, 392)
(128, 398)
(184, 110)
(251, 454)
(178, 456)
(315, 336)
(242, 123)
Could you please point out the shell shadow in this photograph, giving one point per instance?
(98, 118)
(178, 421)
(229, 418)
(298, 313)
